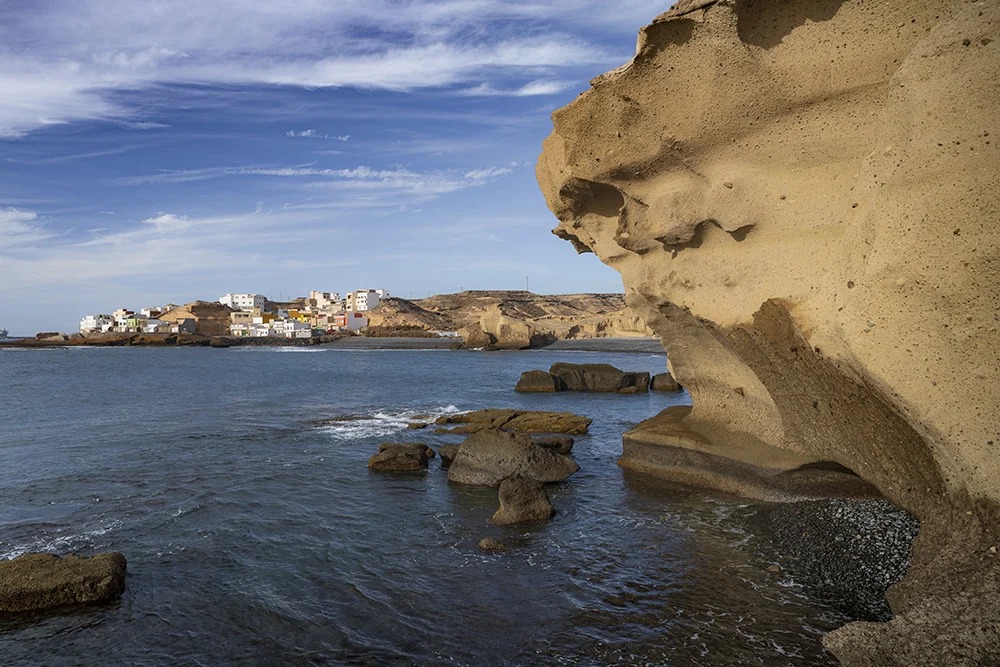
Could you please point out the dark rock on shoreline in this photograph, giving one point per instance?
(448, 454)
(583, 377)
(847, 551)
(522, 499)
(489, 457)
(38, 582)
(400, 457)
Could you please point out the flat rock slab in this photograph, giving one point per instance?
(488, 457)
(38, 582)
(522, 499)
(522, 421)
(561, 444)
(401, 457)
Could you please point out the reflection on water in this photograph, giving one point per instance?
(255, 533)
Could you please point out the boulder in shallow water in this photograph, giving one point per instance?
(36, 582)
(522, 499)
(599, 378)
(448, 453)
(400, 457)
(488, 457)
(490, 544)
(664, 382)
(538, 382)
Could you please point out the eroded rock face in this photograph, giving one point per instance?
(802, 198)
(522, 499)
(39, 582)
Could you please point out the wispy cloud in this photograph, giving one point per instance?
(531, 89)
(62, 63)
(313, 134)
(19, 228)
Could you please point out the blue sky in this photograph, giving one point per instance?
(172, 150)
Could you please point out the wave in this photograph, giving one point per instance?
(59, 543)
(381, 423)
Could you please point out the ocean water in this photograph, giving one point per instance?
(256, 535)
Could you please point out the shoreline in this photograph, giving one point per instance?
(618, 345)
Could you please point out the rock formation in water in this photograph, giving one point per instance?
(40, 582)
(802, 200)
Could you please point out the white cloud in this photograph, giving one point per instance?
(301, 133)
(313, 134)
(18, 228)
(64, 62)
(167, 221)
(530, 89)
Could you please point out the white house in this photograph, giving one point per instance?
(356, 321)
(243, 301)
(364, 299)
(327, 303)
(92, 323)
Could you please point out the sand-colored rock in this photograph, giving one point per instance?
(489, 457)
(664, 382)
(400, 457)
(801, 198)
(38, 582)
(522, 499)
(560, 316)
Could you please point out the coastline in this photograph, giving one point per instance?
(623, 345)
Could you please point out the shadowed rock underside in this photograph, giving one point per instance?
(801, 198)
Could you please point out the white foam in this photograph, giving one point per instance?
(383, 422)
(59, 543)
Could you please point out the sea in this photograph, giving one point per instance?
(235, 483)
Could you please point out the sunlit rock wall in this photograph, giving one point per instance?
(802, 200)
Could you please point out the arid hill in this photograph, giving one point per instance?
(563, 316)
(802, 199)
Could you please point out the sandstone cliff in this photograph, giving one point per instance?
(514, 317)
(802, 199)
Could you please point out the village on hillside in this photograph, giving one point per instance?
(246, 315)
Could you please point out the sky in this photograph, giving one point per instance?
(171, 150)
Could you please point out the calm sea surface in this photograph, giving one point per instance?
(256, 535)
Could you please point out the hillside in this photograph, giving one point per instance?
(563, 316)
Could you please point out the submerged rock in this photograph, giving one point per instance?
(38, 582)
(400, 457)
(489, 457)
(522, 499)
(490, 544)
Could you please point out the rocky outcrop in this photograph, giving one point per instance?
(39, 582)
(401, 457)
(523, 421)
(538, 382)
(664, 382)
(599, 378)
(496, 330)
(583, 377)
(488, 457)
(801, 199)
(562, 316)
(562, 444)
(522, 500)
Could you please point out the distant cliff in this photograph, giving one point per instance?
(802, 199)
(564, 316)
